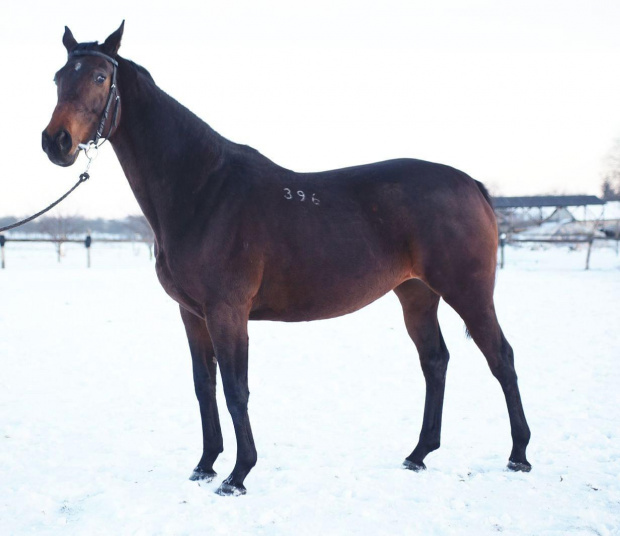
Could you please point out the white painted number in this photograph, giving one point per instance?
(288, 194)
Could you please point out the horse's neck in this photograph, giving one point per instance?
(166, 152)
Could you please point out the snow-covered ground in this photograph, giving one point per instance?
(99, 427)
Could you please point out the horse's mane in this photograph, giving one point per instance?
(140, 69)
(198, 125)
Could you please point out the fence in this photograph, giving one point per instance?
(87, 241)
(504, 239)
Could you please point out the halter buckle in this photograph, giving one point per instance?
(91, 150)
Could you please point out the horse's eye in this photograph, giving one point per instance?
(100, 79)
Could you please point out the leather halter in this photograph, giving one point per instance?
(112, 96)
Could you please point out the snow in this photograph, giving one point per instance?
(100, 430)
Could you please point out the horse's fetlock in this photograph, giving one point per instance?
(523, 438)
(433, 445)
(251, 460)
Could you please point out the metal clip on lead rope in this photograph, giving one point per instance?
(91, 150)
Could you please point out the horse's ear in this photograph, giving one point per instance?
(68, 40)
(113, 43)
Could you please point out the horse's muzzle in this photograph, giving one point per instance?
(58, 147)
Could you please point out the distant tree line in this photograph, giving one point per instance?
(60, 226)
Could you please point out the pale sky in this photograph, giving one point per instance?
(523, 96)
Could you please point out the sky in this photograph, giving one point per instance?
(523, 96)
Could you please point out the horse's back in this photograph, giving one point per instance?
(407, 203)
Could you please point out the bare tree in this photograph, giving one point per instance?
(611, 174)
(59, 226)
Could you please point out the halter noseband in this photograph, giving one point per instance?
(112, 96)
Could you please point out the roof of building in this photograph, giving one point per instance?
(547, 201)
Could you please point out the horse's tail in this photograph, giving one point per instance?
(487, 197)
(484, 192)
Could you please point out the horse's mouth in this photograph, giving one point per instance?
(63, 161)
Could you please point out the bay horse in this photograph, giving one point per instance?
(240, 238)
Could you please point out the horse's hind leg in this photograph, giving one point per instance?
(476, 308)
(204, 369)
(420, 311)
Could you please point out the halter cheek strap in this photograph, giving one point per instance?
(112, 96)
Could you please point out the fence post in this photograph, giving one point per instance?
(59, 244)
(2, 242)
(502, 243)
(87, 242)
(590, 241)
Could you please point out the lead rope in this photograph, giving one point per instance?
(83, 178)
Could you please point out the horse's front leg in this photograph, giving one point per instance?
(204, 368)
(228, 326)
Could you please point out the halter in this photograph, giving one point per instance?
(93, 145)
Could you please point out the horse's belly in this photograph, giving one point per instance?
(296, 301)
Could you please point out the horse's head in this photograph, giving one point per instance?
(87, 97)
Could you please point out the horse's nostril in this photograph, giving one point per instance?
(45, 141)
(64, 142)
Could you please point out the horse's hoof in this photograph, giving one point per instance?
(230, 490)
(414, 466)
(523, 467)
(201, 475)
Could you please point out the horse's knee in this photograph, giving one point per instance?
(205, 390)
(434, 362)
(237, 402)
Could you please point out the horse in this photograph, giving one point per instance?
(239, 238)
